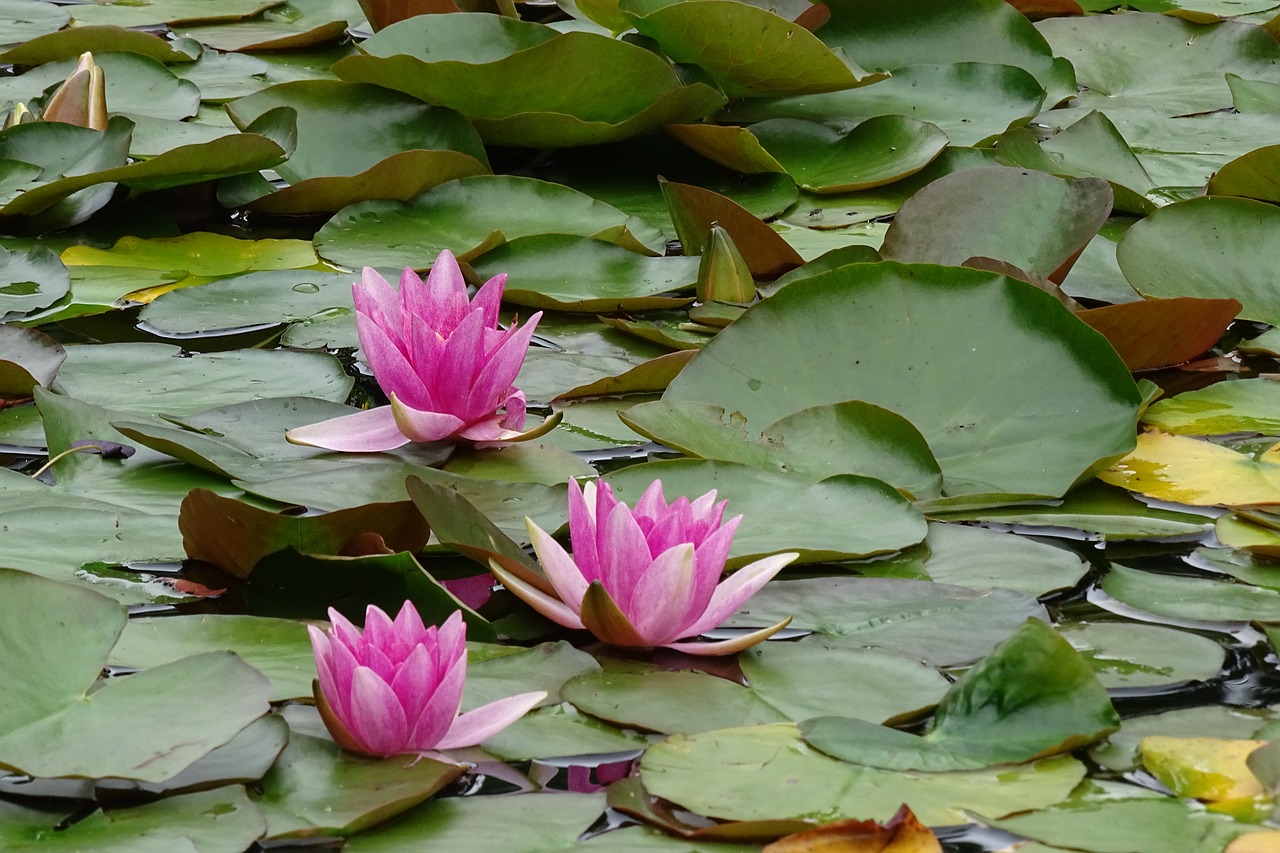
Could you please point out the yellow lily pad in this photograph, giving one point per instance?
(1267, 841)
(200, 253)
(1208, 769)
(1238, 532)
(1192, 471)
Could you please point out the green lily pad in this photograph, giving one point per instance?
(567, 273)
(842, 517)
(494, 672)
(471, 216)
(316, 789)
(1159, 61)
(970, 101)
(391, 124)
(1120, 751)
(70, 43)
(55, 149)
(878, 151)
(768, 773)
(559, 731)
(30, 280)
(297, 26)
(218, 821)
(668, 702)
(819, 676)
(1196, 599)
(980, 559)
(126, 14)
(51, 727)
(1055, 218)
(1253, 96)
(275, 296)
(1164, 823)
(278, 648)
(162, 381)
(533, 823)
(135, 85)
(948, 319)
(1111, 513)
(1250, 175)
(25, 20)
(813, 444)
(1206, 247)
(522, 83)
(1033, 696)
(1126, 654)
(28, 359)
(1246, 405)
(940, 624)
(747, 50)
(887, 35)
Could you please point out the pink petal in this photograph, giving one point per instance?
(443, 302)
(709, 559)
(452, 639)
(414, 683)
(489, 429)
(324, 668)
(374, 296)
(378, 629)
(435, 717)
(390, 362)
(369, 431)
(486, 721)
(489, 299)
(552, 608)
(514, 405)
(582, 531)
(652, 504)
(376, 720)
(733, 592)
(660, 606)
(624, 555)
(344, 665)
(565, 576)
(473, 591)
(408, 625)
(500, 371)
(419, 425)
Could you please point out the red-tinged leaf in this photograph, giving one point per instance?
(695, 209)
(1160, 332)
(1046, 8)
(902, 834)
(384, 13)
(235, 536)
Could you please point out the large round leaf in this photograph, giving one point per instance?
(879, 151)
(1159, 61)
(938, 623)
(886, 34)
(747, 50)
(768, 773)
(964, 355)
(1211, 248)
(843, 517)
(1035, 221)
(471, 216)
(135, 84)
(571, 273)
(389, 123)
(970, 101)
(525, 84)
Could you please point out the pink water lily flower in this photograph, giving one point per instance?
(397, 687)
(442, 360)
(643, 577)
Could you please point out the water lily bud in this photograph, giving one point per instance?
(645, 577)
(723, 275)
(18, 115)
(82, 99)
(397, 687)
(441, 358)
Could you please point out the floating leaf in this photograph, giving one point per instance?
(767, 772)
(522, 83)
(1243, 405)
(1032, 696)
(842, 517)
(958, 324)
(668, 702)
(199, 253)
(748, 51)
(1155, 333)
(1206, 247)
(1188, 470)
(471, 216)
(70, 43)
(1127, 654)
(1055, 218)
(568, 273)
(135, 85)
(695, 209)
(1168, 824)
(234, 536)
(1206, 769)
(58, 637)
(1197, 599)
(27, 359)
